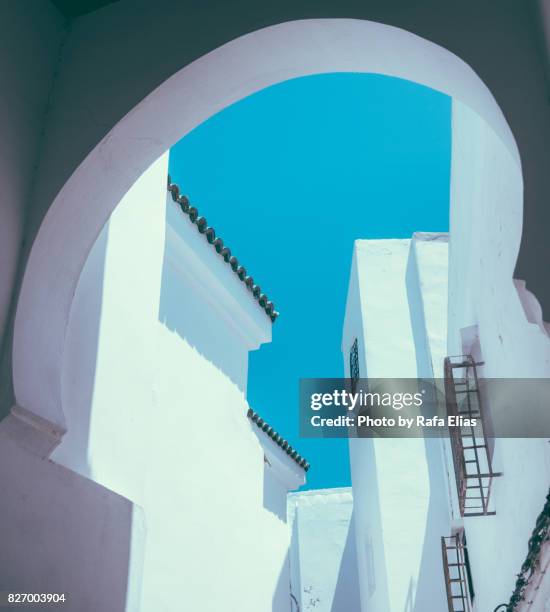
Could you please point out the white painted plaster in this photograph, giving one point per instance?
(488, 314)
(156, 411)
(512, 341)
(194, 280)
(427, 289)
(62, 533)
(289, 474)
(239, 68)
(323, 557)
(400, 485)
(485, 230)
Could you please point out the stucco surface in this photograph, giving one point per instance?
(62, 533)
(400, 485)
(323, 557)
(490, 317)
(509, 339)
(156, 410)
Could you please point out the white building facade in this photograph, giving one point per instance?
(420, 545)
(400, 500)
(323, 560)
(64, 169)
(167, 492)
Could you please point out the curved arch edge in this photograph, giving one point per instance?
(206, 86)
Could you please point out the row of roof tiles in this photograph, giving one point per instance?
(279, 440)
(210, 234)
(263, 301)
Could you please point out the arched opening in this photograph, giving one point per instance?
(190, 96)
(486, 203)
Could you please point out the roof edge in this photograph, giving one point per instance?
(278, 439)
(209, 233)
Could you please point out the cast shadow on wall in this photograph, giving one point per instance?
(190, 310)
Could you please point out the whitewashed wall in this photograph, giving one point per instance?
(400, 485)
(62, 533)
(489, 314)
(486, 224)
(323, 557)
(154, 378)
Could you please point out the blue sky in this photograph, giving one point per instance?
(289, 178)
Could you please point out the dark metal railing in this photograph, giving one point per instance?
(354, 365)
(470, 448)
(457, 577)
